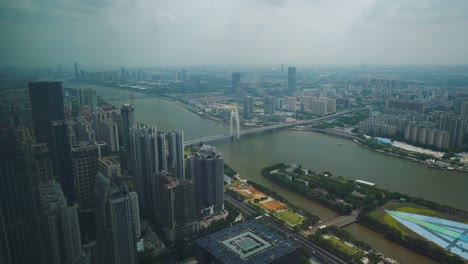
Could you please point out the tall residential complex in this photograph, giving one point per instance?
(236, 78)
(60, 228)
(405, 104)
(248, 107)
(162, 151)
(84, 170)
(207, 172)
(47, 105)
(176, 153)
(144, 153)
(292, 78)
(291, 104)
(60, 146)
(115, 221)
(127, 117)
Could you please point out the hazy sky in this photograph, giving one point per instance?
(153, 32)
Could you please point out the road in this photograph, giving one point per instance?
(339, 221)
(268, 128)
(299, 239)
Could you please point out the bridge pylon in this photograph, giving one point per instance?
(234, 115)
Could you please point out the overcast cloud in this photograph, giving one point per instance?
(154, 32)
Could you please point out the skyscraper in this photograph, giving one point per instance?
(60, 228)
(177, 213)
(248, 107)
(47, 105)
(235, 81)
(144, 153)
(176, 153)
(60, 146)
(127, 117)
(87, 96)
(292, 78)
(115, 221)
(84, 170)
(77, 72)
(207, 172)
(18, 236)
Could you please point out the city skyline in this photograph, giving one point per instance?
(291, 32)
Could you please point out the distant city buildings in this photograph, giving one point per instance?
(269, 105)
(405, 104)
(248, 107)
(236, 78)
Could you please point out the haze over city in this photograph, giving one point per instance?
(148, 33)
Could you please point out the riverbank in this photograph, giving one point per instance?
(344, 195)
(408, 156)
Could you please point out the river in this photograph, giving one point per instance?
(314, 151)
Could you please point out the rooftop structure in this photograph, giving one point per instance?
(249, 242)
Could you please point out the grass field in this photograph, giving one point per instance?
(342, 246)
(290, 217)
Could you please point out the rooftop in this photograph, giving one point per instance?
(248, 242)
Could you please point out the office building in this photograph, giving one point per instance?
(248, 242)
(59, 228)
(61, 143)
(248, 107)
(175, 159)
(84, 170)
(292, 79)
(177, 214)
(115, 221)
(18, 235)
(110, 134)
(127, 117)
(144, 153)
(87, 96)
(41, 161)
(269, 105)
(236, 78)
(108, 166)
(207, 172)
(45, 108)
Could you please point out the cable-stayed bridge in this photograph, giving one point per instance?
(236, 134)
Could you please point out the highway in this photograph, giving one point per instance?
(268, 128)
(299, 239)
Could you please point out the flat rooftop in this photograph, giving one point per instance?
(248, 242)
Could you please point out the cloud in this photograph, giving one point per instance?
(149, 32)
